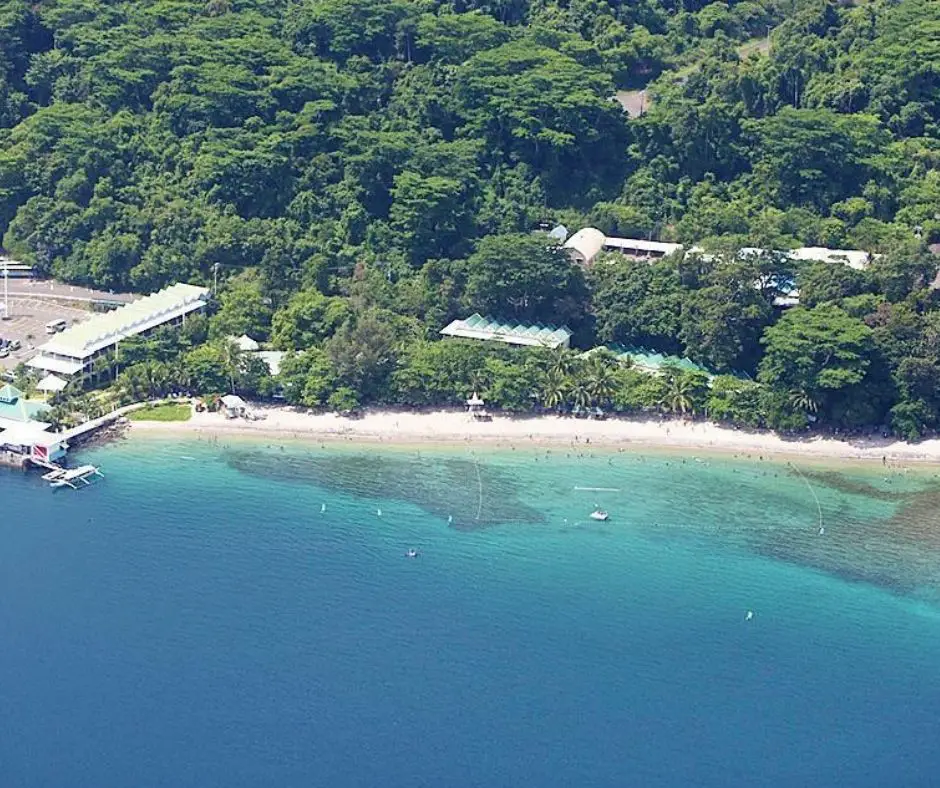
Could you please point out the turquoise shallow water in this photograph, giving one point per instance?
(196, 620)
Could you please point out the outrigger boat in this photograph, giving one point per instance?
(71, 477)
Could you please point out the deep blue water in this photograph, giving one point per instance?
(196, 620)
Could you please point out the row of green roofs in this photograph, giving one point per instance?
(537, 331)
(644, 358)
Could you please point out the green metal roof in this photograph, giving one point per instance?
(15, 407)
(10, 394)
(650, 359)
(478, 327)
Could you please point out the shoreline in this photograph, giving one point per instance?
(443, 428)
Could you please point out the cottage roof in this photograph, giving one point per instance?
(246, 343)
(51, 383)
(487, 328)
(10, 394)
(586, 244)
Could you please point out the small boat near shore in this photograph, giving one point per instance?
(71, 477)
(599, 514)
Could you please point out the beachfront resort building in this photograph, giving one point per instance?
(486, 328)
(23, 435)
(73, 351)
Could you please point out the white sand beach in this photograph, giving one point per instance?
(403, 427)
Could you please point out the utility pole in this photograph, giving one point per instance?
(215, 278)
(6, 289)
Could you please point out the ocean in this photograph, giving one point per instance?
(245, 614)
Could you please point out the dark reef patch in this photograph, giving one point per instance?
(473, 494)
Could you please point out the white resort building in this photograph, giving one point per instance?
(589, 242)
(586, 244)
(73, 350)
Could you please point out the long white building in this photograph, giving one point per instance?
(589, 242)
(586, 244)
(73, 350)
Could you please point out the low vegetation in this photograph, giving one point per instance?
(169, 411)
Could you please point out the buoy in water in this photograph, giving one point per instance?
(450, 519)
(378, 512)
(322, 508)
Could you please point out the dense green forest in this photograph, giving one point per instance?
(357, 173)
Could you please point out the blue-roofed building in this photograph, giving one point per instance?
(489, 329)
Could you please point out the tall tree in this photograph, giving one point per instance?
(819, 352)
(526, 277)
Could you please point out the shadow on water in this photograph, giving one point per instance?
(472, 494)
(899, 552)
(838, 481)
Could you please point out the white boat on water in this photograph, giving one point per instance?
(71, 477)
(599, 514)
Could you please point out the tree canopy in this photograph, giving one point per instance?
(357, 173)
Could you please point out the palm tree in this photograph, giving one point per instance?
(58, 416)
(600, 381)
(580, 395)
(102, 366)
(94, 409)
(561, 361)
(552, 389)
(232, 360)
(803, 400)
(480, 380)
(129, 385)
(154, 378)
(180, 377)
(677, 397)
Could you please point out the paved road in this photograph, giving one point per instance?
(31, 288)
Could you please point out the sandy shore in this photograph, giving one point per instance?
(452, 427)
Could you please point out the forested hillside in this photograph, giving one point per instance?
(359, 172)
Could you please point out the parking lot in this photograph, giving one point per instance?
(27, 323)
